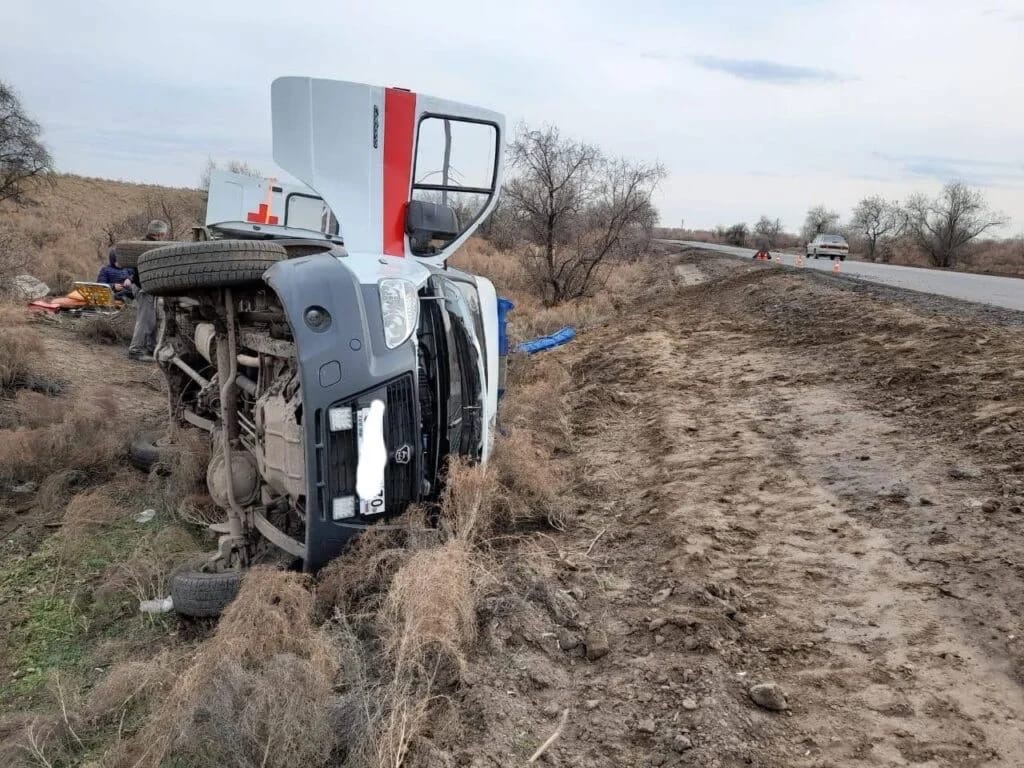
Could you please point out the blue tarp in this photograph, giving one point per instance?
(556, 339)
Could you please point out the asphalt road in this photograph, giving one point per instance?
(1006, 292)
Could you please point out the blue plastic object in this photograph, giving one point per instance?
(556, 339)
(504, 307)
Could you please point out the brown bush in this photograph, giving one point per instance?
(425, 626)
(356, 583)
(21, 350)
(536, 400)
(132, 684)
(90, 437)
(108, 329)
(34, 409)
(256, 693)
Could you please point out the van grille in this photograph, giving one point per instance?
(401, 438)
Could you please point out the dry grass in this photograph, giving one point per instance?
(90, 437)
(88, 511)
(531, 318)
(21, 349)
(34, 409)
(257, 693)
(1003, 257)
(108, 329)
(145, 575)
(68, 232)
(182, 471)
(399, 686)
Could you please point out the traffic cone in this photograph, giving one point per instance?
(799, 260)
(836, 269)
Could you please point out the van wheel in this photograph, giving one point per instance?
(200, 593)
(181, 269)
(147, 449)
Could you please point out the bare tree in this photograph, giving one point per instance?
(820, 220)
(180, 209)
(768, 230)
(944, 225)
(23, 157)
(577, 207)
(875, 220)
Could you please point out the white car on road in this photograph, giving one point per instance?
(832, 246)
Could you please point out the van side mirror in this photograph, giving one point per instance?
(426, 223)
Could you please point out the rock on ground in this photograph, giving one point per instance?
(769, 696)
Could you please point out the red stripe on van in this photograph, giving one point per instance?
(399, 124)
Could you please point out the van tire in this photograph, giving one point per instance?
(180, 269)
(147, 449)
(202, 594)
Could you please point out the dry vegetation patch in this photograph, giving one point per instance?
(90, 437)
(256, 693)
(67, 232)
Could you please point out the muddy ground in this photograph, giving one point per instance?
(782, 478)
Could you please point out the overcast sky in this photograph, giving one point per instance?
(754, 107)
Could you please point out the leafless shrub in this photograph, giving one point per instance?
(356, 583)
(131, 686)
(877, 221)
(767, 231)
(577, 209)
(737, 234)
(943, 226)
(820, 221)
(531, 405)
(518, 487)
(179, 208)
(426, 625)
(146, 573)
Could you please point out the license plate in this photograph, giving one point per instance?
(374, 505)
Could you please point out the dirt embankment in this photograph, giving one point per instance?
(780, 480)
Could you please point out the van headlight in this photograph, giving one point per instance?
(400, 309)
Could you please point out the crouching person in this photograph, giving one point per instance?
(144, 336)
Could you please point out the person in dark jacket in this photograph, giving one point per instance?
(117, 277)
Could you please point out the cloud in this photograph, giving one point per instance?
(984, 173)
(772, 72)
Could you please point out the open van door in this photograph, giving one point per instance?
(405, 174)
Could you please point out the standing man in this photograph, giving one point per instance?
(144, 337)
